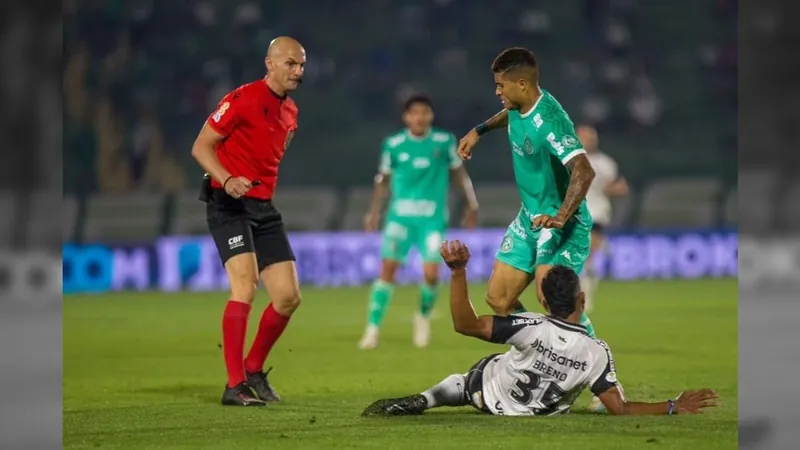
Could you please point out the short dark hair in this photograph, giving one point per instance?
(418, 98)
(512, 58)
(560, 287)
(516, 58)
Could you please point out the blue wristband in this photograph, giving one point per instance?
(671, 407)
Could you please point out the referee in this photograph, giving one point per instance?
(240, 147)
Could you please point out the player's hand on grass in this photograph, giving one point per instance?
(545, 221)
(236, 187)
(692, 402)
(466, 143)
(372, 221)
(470, 219)
(455, 254)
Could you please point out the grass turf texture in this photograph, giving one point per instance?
(145, 371)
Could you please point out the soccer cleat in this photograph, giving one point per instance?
(370, 339)
(422, 330)
(240, 395)
(413, 405)
(260, 385)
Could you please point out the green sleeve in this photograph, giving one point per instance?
(385, 166)
(454, 160)
(561, 140)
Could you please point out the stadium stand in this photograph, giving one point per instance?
(690, 202)
(133, 105)
(117, 218)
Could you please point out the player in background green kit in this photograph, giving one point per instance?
(419, 163)
(553, 175)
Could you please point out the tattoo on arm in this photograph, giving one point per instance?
(581, 176)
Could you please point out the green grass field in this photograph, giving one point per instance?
(145, 371)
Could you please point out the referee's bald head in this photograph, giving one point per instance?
(285, 62)
(284, 44)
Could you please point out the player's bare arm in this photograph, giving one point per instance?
(581, 176)
(688, 402)
(464, 182)
(379, 194)
(499, 120)
(204, 151)
(465, 320)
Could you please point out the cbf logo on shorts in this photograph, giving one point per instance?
(236, 242)
(507, 245)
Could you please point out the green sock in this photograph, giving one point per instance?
(379, 297)
(427, 298)
(588, 324)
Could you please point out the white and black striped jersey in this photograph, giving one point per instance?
(550, 363)
(606, 172)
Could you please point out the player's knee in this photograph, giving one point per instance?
(287, 303)
(388, 271)
(242, 277)
(498, 303)
(243, 287)
(431, 275)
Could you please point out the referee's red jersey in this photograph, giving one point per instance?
(258, 125)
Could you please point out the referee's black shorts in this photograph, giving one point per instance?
(247, 225)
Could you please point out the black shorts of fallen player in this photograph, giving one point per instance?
(247, 225)
(473, 386)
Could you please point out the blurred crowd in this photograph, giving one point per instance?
(657, 78)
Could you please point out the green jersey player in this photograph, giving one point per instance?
(416, 166)
(553, 175)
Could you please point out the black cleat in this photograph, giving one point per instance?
(260, 385)
(240, 395)
(413, 405)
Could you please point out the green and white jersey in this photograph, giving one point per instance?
(543, 141)
(420, 170)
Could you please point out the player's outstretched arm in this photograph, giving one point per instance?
(499, 120)
(689, 402)
(465, 320)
